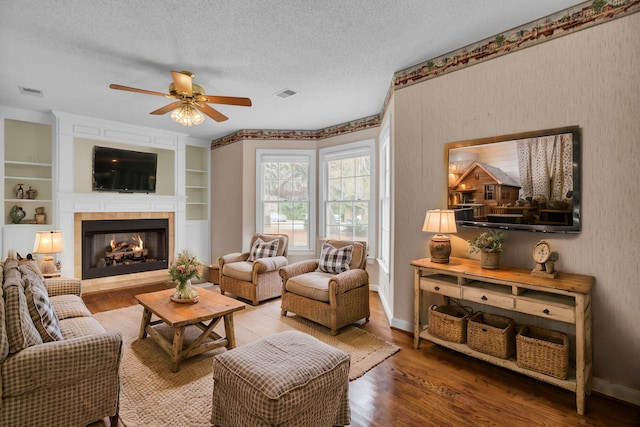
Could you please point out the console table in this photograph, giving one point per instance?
(567, 299)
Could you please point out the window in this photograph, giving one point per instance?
(347, 210)
(385, 198)
(488, 192)
(285, 196)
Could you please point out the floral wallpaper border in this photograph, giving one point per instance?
(567, 21)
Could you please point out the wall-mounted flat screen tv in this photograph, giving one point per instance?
(528, 181)
(124, 170)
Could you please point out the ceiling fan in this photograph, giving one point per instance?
(191, 100)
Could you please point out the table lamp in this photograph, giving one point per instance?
(48, 243)
(439, 222)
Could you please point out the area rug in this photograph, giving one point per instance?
(151, 395)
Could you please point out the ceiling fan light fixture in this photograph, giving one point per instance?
(186, 115)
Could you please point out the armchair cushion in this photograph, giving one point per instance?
(240, 270)
(262, 249)
(314, 285)
(335, 260)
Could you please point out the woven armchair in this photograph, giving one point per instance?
(332, 300)
(254, 280)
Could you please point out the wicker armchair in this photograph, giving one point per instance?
(332, 300)
(254, 280)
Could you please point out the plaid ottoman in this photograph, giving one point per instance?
(287, 379)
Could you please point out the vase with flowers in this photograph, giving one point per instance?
(184, 268)
(489, 244)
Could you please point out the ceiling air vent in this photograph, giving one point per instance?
(30, 91)
(285, 93)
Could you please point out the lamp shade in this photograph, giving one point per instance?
(440, 221)
(48, 242)
(186, 115)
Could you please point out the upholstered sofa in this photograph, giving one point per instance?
(58, 365)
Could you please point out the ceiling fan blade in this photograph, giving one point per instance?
(167, 108)
(182, 82)
(211, 112)
(133, 89)
(229, 100)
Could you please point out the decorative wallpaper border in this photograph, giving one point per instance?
(567, 21)
(310, 135)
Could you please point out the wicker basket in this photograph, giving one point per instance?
(449, 322)
(492, 334)
(543, 350)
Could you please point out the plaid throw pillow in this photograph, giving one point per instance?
(42, 314)
(334, 260)
(261, 249)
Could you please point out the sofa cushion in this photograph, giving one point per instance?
(314, 285)
(76, 327)
(68, 306)
(42, 313)
(4, 342)
(241, 270)
(335, 260)
(262, 249)
(21, 332)
(32, 265)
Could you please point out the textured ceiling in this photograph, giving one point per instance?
(339, 55)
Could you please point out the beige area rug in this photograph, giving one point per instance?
(152, 395)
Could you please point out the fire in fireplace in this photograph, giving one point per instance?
(115, 247)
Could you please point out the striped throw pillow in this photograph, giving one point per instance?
(334, 260)
(262, 249)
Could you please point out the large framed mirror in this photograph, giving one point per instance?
(527, 181)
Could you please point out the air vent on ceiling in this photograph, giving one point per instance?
(285, 93)
(30, 91)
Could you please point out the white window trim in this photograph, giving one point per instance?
(263, 155)
(385, 152)
(359, 148)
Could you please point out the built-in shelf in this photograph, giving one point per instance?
(197, 183)
(27, 162)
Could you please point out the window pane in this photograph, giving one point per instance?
(348, 188)
(270, 170)
(284, 170)
(335, 189)
(362, 188)
(362, 166)
(334, 170)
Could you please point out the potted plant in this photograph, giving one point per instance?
(489, 244)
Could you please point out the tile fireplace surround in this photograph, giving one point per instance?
(124, 280)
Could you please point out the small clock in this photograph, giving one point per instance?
(544, 257)
(541, 252)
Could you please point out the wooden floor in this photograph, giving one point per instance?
(434, 386)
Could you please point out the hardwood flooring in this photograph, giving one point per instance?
(434, 386)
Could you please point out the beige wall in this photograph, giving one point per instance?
(233, 193)
(590, 79)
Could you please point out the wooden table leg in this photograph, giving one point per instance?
(176, 354)
(229, 331)
(146, 318)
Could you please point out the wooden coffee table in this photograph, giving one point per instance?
(211, 307)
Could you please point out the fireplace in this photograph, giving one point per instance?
(123, 246)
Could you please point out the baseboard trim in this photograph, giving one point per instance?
(616, 391)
